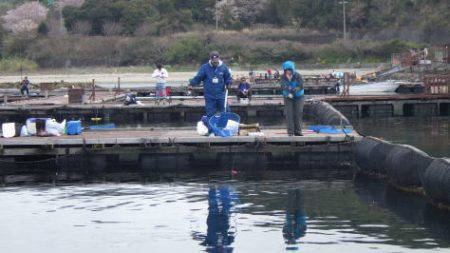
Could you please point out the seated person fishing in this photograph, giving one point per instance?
(244, 90)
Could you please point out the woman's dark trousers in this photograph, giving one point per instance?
(293, 108)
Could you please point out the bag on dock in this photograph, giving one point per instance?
(31, 125)
(202, 129)
(24, 132)
(52, 127)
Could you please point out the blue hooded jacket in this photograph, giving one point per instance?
(207, 73)
(295, 86)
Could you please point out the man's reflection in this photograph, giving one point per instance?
(218, 235)
(295, 223)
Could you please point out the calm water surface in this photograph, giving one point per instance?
(430, 134)
(288, 214)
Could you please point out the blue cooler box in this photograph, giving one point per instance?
(74, 127)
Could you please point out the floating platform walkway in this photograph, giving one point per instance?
(170, 151)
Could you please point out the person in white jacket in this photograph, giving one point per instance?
(160, 74)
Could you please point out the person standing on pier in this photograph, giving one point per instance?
(24, 87)
(160, 74)
(216, 79)
(294, 98)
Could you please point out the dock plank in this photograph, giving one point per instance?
(169, 136)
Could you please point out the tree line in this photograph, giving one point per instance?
(54, 33)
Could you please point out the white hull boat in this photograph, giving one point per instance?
(372, 88)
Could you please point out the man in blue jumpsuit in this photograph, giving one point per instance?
(216, 78)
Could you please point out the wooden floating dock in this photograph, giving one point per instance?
(158, 151)
(67, 144)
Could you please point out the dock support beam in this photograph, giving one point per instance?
(397, 109)
(252, 112)
(145, 117)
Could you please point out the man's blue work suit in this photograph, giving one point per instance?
(215, 80)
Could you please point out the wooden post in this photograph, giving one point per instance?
(5, 99)
(117, 92)
(92, 97)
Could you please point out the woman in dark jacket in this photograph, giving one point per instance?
(294, 98)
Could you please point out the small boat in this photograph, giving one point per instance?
(372, 88)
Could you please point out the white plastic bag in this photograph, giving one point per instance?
(31, 127)
(24, 132)
(53, 132)
(52, 127)
(202, 129)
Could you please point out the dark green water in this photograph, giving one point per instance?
(294, 212)
(430, 134)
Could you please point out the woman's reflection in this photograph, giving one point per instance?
(295, 223)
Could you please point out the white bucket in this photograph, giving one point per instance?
(9, 130)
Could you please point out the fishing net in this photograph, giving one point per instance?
(406, 164)
(436, 180)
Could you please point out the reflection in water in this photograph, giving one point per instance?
(295, 222)
(219, 234)
(408, 207)
(343, 215)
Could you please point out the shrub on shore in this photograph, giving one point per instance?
(193, 47)
(15, 65)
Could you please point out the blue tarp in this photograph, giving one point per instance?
(103, 126)
(325, 129)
